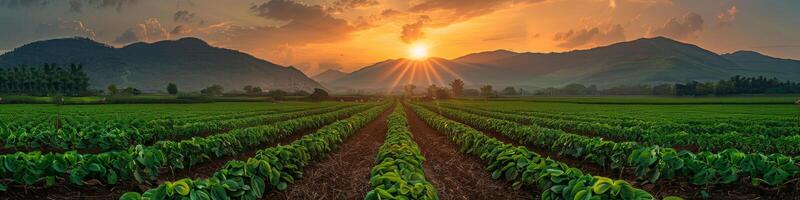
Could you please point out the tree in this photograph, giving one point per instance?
(432, 91)
(487, 90)
(172, 89)
(252, 90)
(113, 90)
(130, 91)
(458, 87)
(510, 91)
(472, 92)
(409, 90)
(319, 95)
(213, 90)
(663, 89)
(277, 94)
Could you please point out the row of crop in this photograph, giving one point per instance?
(108, 136)
(143, 164)
(525, 168)
(398, 173)
(651, 163)
(772, 128)
(270, 168)
(705, 142)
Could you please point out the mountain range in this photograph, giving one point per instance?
(642, 61)
(193, 64)
(190, 63)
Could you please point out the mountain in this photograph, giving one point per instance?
(190, 63)
(394, 74)
(329, 75)
(752, 63)
(643, 61)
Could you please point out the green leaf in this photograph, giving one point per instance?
(583, 195)
(131, 196)
(282, 186)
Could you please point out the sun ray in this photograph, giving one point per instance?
(398, 79)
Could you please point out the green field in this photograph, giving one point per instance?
(644, 147)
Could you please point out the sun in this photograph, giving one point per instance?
(418, 51)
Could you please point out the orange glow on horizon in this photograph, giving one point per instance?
(418, 51)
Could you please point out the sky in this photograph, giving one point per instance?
(316, 35)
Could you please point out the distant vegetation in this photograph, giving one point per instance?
(732, 86)
(49, 79)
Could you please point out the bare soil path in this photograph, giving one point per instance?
(457, 175)
(344, 174)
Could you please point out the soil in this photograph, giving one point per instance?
(344, 174)
(457, 175)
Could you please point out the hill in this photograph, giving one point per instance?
(642, 61)
(394, 74)
(329, 75)
(189, 62)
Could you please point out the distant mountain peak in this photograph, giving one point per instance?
(329, 75)
(187, 42)
(191, 63)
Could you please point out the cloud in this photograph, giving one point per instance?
(14, 4)
(74, 5)
(304, 24)
(343, 5)
(593, 36)
(461, 10)
(65, 28)
(78, 5)
(181, 30)
(412, 32)
(183, 16)
(685, 28)
(391, 13)
(148, 31)
(727, 17)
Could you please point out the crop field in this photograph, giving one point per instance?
(401, 149)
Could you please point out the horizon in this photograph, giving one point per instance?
(402, 58)
(315, 35)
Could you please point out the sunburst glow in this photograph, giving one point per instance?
(418, 51)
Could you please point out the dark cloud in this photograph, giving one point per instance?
(74, 5)
(727, 17)
(305, 24)
(14, 4)
(413, 32)
(460, 10)
(78, 5)
(65, 28)
(343, 5)
(183, 16)
(590, 37)
(148, 31)
(685, 28)
(181, 30)
(391, 13)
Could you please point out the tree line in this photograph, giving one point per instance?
(734, 85)
(738, 85)
(49, 79)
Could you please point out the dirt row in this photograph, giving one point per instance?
(457, 175)
(680, 186)
(344, 173)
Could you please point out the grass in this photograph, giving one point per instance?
(754, 99)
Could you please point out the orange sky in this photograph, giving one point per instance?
(315, 35)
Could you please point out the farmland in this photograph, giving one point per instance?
(523, 148)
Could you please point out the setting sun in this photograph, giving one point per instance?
(418, 52)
